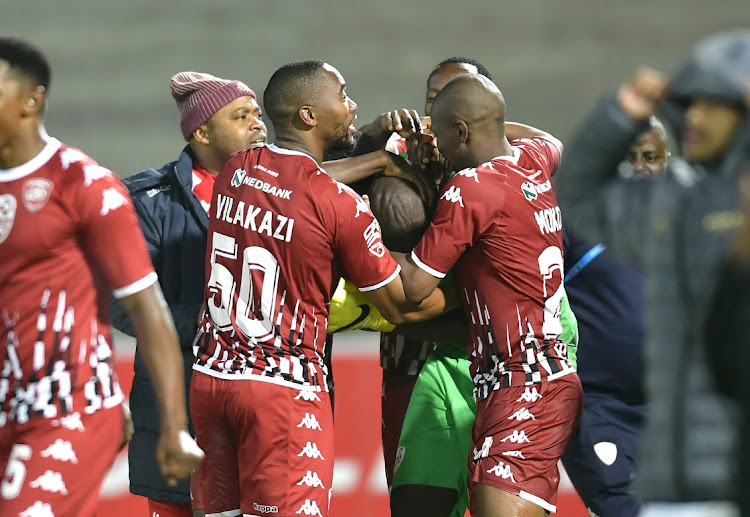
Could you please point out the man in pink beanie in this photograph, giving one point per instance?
(218, 117)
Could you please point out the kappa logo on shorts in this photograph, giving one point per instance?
(485, 450)
(71, 422)
(514, 454)
(516, 437)
(309, 396)
(38, 509)
(264, 508)
(309, 508)
(61, 450)
(530, 395)
(521, 415)
(311, 479)
(50, 482)
(310, 421)
(502, 470)
(311, 451)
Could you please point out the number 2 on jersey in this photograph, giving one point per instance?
(552, 271)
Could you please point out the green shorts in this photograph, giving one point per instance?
(436, 435)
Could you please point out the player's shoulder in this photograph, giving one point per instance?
(539, 143)
(77, 169)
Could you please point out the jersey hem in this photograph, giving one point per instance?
(424, 267)
(137, 286)
(255, 377)
(381, 284)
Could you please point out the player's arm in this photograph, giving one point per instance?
(450, 327)
(350, 170)
(393, 304)
(418, 283)
(177, 453)
(515, 130)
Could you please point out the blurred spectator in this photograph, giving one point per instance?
(675, 230)
(606, 297)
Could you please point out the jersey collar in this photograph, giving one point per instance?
(37, 162)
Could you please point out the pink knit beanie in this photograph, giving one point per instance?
(199, 96)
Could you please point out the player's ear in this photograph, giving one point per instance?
(201, 134)
(34, 103)
(308, 115)
(462, 130)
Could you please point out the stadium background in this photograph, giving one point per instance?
(553, 59)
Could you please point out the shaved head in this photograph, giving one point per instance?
(292, 86)
(472, 98)
(402, 215)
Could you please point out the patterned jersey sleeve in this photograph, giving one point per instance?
(358, 243)
(458, 223)
(547, 152)
(109, 230)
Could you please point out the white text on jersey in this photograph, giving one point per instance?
(241, 178)
(549, 220)
(280, 228)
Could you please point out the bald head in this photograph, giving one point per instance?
(472, 98)
(400, 211)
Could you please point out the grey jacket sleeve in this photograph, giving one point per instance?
(594, 200)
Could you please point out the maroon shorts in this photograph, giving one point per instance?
(518, 437)
(55, 466)
(269, 448)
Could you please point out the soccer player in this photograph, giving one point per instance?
(498, 221)
(68, 234)
(281, 233)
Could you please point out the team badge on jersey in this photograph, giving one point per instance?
(8, 206)
(36, 193)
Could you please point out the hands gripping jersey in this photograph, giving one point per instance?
(281, 234)
(501, 222)
(68, 233)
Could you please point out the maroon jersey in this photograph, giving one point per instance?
(281, 233)
(500, 223)
(68, 233)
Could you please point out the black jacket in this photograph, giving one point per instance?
(175, 225)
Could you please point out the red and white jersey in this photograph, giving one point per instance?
(501, 225)
(281, 233)
(68, 233)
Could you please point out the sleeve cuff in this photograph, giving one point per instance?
(137, 286)
(381, 284)
(424, 267)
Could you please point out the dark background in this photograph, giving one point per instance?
(112, 60)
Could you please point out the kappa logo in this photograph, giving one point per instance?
(361, 207)
(61, 450)
(71, 422)
(112, 199)
(502, 470)
(521, 415)
(38, 509)
(93, 172)
(400, 453)
(530, 395)
(484, 452)
(373, 239)
(8, 205)
(238, 178)
(309, 508)
(36, 193)
(453, 195)
(469, 173)
(310, 421)
(516, 437)
(531, 190)
(311, 479)
(514, 454)
(311, 451)
(50, 482)
(264, 508)
(70, 155)
(309, 396)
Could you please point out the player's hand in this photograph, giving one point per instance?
(177, 454)
(638, 97)
(403, 121)
(127, 425)
(401, 168)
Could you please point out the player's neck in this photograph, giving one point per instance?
(302, 147)
(24, 147)
(493, 150)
